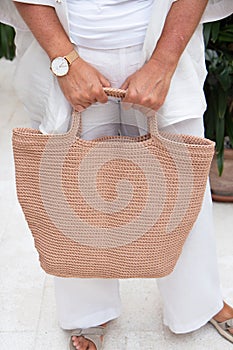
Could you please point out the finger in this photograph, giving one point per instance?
(101, 96)
(104, 81)
(132, 96)
(124, 100)
(81, 108)
(157, 104)
(125, 85)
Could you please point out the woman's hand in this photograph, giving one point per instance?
(149, 85)
(83, 85)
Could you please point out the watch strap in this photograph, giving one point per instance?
(71, 56)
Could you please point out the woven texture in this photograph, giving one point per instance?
(113, 207)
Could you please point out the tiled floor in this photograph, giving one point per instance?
(27, 308)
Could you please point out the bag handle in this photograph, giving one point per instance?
(119, 93)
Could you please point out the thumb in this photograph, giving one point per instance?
(125, 85)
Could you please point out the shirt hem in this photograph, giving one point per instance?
(108, 45)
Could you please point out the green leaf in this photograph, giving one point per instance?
(207, 32)
(215, 31)
(221, 103)
(218, 118)
(220, 133)
(227, 37)
(225, 79)
(229, 126)
(210, 116)
(7, 46)
(220, 162)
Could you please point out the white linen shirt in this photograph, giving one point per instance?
(108, 24)
(40, 90)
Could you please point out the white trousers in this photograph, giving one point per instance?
(191, 293)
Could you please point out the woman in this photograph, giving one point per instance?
(156, 53)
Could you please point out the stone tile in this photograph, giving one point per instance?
(17, 340)
(17, 226)
(49, 340)
(7, 201)
(223, 219)
(115, 340)
(142, 340)
(6, 151)
(48, 315)
(21, 281)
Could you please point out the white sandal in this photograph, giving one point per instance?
(93, 334)
(223, 328)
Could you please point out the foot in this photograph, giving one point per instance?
(81, 343)
(225, 314)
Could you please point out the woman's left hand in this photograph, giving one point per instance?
(149, 85)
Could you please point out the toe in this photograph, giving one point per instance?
(76, 342)
(80, 343)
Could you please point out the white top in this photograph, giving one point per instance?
(108, 24)
(185, 98)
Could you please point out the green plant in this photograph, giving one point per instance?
(218, 118)
(7, 46)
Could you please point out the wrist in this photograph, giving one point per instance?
(60, 51)
(168, 64)
(60, 65)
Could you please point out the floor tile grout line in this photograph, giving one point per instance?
(40, 313)
(13, 204)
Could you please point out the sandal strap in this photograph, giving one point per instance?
(93, 334)
(226, 325)
(99, 330)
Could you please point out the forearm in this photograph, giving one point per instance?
(47, 29)
(149, 86)
(180, 24)
(83, 84)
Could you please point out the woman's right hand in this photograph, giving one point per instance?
(83, 85)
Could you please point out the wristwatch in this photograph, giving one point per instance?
(60, 65)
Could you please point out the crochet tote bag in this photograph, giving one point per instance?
(112, 207)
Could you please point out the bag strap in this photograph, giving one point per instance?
(119, 93)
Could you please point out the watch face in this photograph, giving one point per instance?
(60, 66)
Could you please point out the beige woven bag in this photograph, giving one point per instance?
(113, 207)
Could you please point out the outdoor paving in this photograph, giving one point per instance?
(27, 308)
